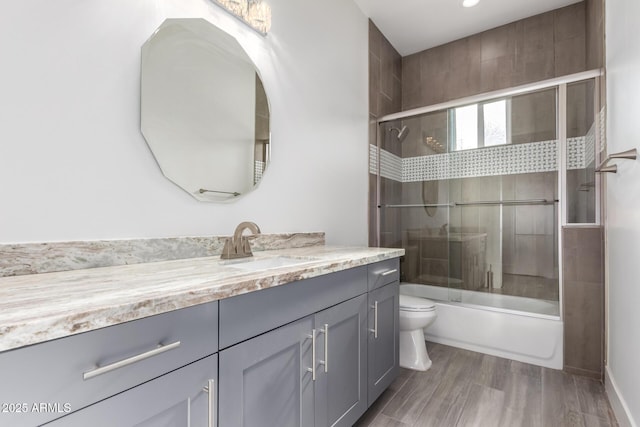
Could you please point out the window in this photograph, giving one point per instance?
(466, 127)
(480, 125)
(495, 123)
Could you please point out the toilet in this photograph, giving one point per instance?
(415, 315)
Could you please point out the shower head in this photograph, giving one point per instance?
(402, 132)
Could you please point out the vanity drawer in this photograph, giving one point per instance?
(246, 316)
(63, 372)
(383, 272)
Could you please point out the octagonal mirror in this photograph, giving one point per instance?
(204, 110)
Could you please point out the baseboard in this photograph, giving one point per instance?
(619, 406)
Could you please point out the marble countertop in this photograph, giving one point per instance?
(40, 307)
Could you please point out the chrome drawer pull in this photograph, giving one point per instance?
(211, 415)
(130, 360)
(325, 362)
(312, 369)
(375, 320)
(388, 272)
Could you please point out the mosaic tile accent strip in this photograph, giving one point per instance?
(373, 159)
(258, 171)
(590, 146)
(576, 153)
(514, 159)
(391, 166)
(32, 258)
(505, 160)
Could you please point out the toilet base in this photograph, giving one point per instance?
(413, 351)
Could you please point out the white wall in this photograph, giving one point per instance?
(623, 204)
(74, 165)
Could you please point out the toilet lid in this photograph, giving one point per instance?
(410, 303)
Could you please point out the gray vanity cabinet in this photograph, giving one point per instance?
(74, 372)
(272, 380)
(295, 355)
(384, 354)
(341, 379)
(384, 333)
(179, 398)
(313, 352)
(266, 381)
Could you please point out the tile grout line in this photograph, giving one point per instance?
(391, 398)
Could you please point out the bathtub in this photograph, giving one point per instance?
(517, 328)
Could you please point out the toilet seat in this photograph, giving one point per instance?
(410, 303)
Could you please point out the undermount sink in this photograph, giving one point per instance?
(252, 264)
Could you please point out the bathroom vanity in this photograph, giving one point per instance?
(290, 337)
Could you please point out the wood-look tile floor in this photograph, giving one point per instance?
(464, 388)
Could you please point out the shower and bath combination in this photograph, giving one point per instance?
(508, 181)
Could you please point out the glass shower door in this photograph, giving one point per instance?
(414, 208)
(503, 184)
(473, 194)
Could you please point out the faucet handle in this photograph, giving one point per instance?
(228, 251)
(246, 247)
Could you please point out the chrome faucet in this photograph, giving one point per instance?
(238, 246)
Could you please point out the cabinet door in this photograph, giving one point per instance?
(175, 399)
(265, 381)
(341, 349)
(383, 347)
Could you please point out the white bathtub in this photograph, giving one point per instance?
(523, 329)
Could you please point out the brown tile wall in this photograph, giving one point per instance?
(594, 10)
(595, 46)
(529, 233)
(552, 44)
(537, 48)
(583, 300)
(533, 117)
(385, 96)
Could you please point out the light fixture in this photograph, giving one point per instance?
(254, 13)
(470, 3)
(434, 144)
(259, 16)
(237, 7)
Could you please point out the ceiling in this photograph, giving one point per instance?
(415, 25)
